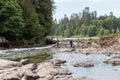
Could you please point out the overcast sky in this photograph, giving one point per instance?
(75, 6)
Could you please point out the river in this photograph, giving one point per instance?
(15, 53)
(100, 71)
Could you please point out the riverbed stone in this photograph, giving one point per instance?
(83, 65)
(5, 64)
(11, 77)
(9, 74)
(26, 69)
(82, 78)
(47, 71)
(30, 77)
(113, 62)
(23, 62)
(57, 62)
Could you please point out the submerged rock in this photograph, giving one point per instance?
(83, 65)
(113, 62)
(82, 78)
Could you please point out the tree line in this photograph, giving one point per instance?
(25, 19)
(86, 24)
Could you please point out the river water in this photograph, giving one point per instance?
(100, 71)
(15, 53)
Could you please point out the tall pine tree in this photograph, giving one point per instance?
(11, 20)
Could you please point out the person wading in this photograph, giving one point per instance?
(57, 42)
(71, 43)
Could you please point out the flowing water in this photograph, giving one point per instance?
(16, 53)
(100, 71)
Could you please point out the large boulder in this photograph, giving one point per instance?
(16, 73)
(11, 77)
(9, 74)
(5, 64)
(27, 69)
(47, 71)
(40, 71)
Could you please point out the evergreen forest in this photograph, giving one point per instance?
(86, 24)
(22, 20)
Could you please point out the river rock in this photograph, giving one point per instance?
(9, 74)
(82, 78)
(73, 49)
(47, 71)
(5, 64)
(26, 69)
(113, 62)
(95, 45)
(23, 62)
(30, 77)
(58, 62)
(64, 71)
(41, 71)
(83, 65)
(88, 51)
(11, 77)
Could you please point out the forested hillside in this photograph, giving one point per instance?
(25, 19)
(86, 24)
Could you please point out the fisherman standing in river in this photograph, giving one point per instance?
(71, 43)
(57, 42)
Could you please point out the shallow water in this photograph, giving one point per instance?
(100, 71)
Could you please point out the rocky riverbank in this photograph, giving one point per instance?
(87, 55)
(24, 70)
(109, 48)
(93, 47)
(4, 45)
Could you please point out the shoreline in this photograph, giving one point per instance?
(54, 69)
(24, 70)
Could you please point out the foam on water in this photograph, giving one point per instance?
(23, 52)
